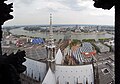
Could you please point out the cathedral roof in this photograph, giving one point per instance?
(35, 69)
(75, 74)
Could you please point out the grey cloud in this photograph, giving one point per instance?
(23, 2)
(26, 1)
(52, 10)
(48, 9)
(73, 5)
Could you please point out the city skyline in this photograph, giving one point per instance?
(37, 12)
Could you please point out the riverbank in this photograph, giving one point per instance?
(79, 36)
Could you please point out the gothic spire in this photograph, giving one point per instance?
(51, 40)
(50, 45)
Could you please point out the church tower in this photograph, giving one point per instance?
(51, 48)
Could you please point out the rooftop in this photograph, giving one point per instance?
(80, 54)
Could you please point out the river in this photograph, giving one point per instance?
(21, 31)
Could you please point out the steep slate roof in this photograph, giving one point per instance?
(49, 78)
(58, 57)
(36, 53)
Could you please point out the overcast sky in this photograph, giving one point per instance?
(30, 12)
